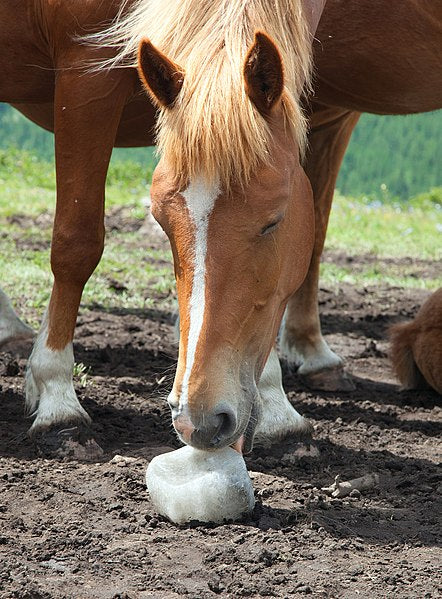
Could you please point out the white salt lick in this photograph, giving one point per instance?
(191, 484)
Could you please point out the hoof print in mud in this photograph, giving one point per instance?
(332, 379)
(75, 442)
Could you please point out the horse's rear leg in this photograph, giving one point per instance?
(301, 340)
(87, 112)
(11, 327)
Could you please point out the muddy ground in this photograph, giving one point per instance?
(75, 530)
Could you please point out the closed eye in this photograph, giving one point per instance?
(271, 226)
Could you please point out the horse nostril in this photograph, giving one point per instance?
(216, 429)
(226, 427)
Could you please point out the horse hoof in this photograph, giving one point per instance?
(331, 379)
(74, 442)
(300, 434)
(290, 447)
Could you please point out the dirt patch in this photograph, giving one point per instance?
(71, 530)
(406, 266)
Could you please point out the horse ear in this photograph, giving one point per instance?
(162, 78)
(263, 73)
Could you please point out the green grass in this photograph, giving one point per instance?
(385, 229)
(132, 275)
(396, 276)
(27, 184)
(397, 229)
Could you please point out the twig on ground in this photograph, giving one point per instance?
(344, 488)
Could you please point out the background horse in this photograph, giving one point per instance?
(416, 347)
(362, 55)
(369, 56)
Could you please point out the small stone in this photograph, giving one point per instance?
(121, 460)
(304, 589)
(54, 565)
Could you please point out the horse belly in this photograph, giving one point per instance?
(26, 72)
(371, 57)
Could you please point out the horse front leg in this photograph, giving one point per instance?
(302, 342)
(86, 117)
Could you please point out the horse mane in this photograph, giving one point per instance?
(214, 131)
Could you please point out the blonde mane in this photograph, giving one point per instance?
(214, 131)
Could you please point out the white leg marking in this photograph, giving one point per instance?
(308, 357)
(200, 200)
(11, 327)
(50, 394)
(279, 418)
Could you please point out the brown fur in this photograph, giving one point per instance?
(416, 347)
(362, 56)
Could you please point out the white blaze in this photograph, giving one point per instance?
(200, 199)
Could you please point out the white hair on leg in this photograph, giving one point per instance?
(279, 418)
(11, 327)
(50, 393)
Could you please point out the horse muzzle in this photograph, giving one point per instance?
(221, 427)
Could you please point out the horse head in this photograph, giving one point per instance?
(241, 236)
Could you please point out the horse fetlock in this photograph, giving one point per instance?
(272, 429)
(11, 327)
(14, 330)
(322, 360)
(278, 418)
(50, 393)
(32, 396)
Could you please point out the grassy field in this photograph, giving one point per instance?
(400, 243)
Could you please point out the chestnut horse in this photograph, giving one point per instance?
(416, 347)
(230, 192)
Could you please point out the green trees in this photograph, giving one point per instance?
(403, 153)
(387, 156)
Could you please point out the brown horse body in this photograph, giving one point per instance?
(367, 56)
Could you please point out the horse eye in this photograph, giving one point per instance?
(271, 226)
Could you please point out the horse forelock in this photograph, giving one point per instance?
(213, 131)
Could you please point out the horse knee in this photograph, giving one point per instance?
(75, 255)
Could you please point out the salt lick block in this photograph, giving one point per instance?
(191, 484)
